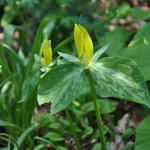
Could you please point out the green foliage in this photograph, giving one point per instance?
(112, 38)
(96, 147)
(65, 84)
(110, 75)
(140, 53)
(142, 135)
(113, 73)
(18, 92)
(106, 106)
(61, 86)
(142, 35)
(138, 14)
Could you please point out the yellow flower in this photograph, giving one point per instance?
(46, 52)
(83, 44)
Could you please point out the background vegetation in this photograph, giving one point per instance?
(24, 125)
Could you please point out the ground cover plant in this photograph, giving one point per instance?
(81, 83)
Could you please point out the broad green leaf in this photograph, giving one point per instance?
(119, 77)
(116, 39)
(143, 135)
(140, 53)
(62, 85)
(143, 35)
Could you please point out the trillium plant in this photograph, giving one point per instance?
(102, 77)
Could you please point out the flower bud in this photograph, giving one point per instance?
(83, 44)
(46, 53)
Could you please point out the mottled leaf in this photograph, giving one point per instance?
(61, 86)
(119, 77)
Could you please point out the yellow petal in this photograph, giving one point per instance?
(78, 37)
(83, 44)
(46, 52)
(87, 46)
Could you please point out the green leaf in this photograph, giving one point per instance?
(39, 147)
(8, 33)
(142, 35)
(55, 126)
(98, 53)
(143, 135)
(128, 147)
(97, 147)
(49, 27)
(14, 57)
(140, 53)
(24, 134)
(6, 19)
(119, 77)
(5, 148)
(122, 10)
(8, 124)
(116, 39)
(44, 140)
(88, 131)
(25, 91)
(52, 136)
(127, 133)
(29, 85)
(70, 58)
(61, 148)
(138, 14)
(106, 106)
(61, 85)
(3, 61)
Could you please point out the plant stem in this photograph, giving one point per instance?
(72, 128)
(97, 111)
